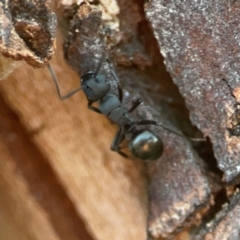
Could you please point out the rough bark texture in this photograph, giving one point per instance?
(57, 153)
(28, 31)
(200, 44)
(226, 224)
(174, 200)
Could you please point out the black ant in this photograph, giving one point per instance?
(143, 144)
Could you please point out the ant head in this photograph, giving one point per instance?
(94, 86)
(145, 145)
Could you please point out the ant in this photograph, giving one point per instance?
(143, 144)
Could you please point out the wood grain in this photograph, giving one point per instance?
(59, 178)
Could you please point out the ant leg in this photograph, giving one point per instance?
(135, 105)
(142, 122)
(57, 86)
(119, 137)
(151, 122)
(69, 94)
(120, 93)
(113, 72)
(93, 108)
(99, 67)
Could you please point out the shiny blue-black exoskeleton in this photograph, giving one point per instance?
(143, 144)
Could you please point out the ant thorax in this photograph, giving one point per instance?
(94, 87)
(111, 106)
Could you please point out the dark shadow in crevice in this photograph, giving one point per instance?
(220, 199)
(205, 151)
(174, 103)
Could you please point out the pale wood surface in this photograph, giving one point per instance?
(57, 168)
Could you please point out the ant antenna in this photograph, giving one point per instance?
(112, 71)
(180, 135)
(144, 122)
(57, 85)
(99, 67)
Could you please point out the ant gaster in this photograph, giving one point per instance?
(143, 144)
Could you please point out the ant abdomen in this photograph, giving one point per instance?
(145, 145)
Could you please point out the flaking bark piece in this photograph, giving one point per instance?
(7, 66)
(179, 192)
(28, 31)
(83, 48)
(225, 225)
(200, 43)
